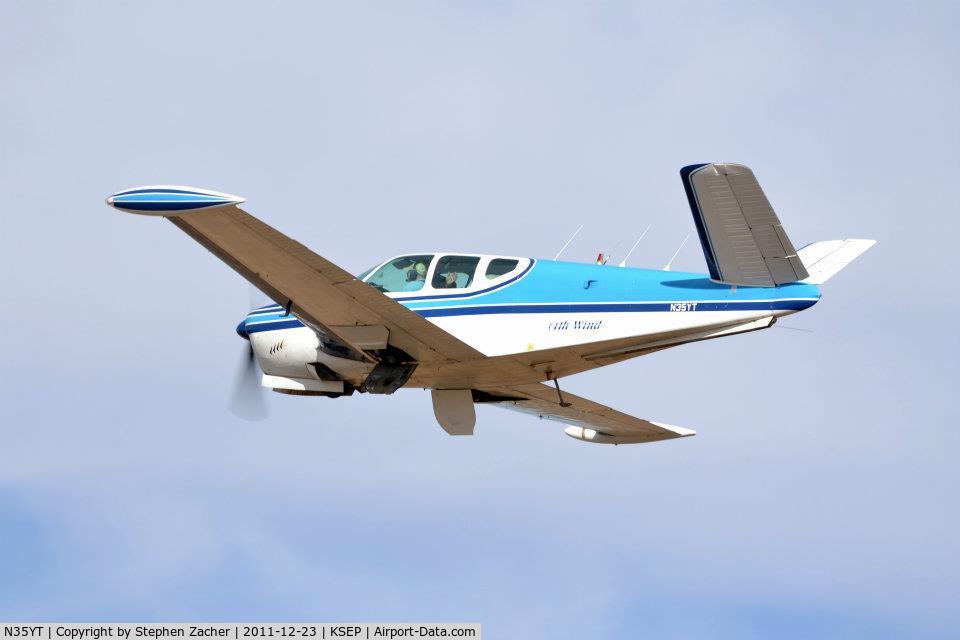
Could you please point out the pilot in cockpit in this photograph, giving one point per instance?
(416, 277)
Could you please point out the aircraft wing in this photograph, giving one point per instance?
(319, 292)
(588, 420)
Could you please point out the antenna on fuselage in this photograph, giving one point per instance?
(564, 247)
(623, 262)
(675, 253)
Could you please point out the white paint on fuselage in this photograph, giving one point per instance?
(289, 352)
(502, 334)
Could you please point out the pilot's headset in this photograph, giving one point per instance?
(419, 269)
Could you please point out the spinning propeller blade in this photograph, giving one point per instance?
(247, 401)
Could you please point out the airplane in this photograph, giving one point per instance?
(503, 330)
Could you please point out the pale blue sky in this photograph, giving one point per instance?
(819, 498)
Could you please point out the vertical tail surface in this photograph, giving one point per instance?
(824, 260)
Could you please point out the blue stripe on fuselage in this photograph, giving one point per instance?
(639, 307)
(570, 287)
(576, 283)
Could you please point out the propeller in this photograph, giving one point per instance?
(247, 400)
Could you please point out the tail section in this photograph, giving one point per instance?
(742, 238)
(824, 259)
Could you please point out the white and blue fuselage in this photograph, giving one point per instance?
(549, 304)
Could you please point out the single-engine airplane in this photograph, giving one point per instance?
(502, 330)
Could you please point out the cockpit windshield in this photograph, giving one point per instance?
(407, 273)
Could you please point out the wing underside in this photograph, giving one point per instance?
(316, 290)
(587, 420)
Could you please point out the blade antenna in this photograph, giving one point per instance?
(623, 262)
(564, 247)
(675, 253)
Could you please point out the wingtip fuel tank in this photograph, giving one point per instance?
(168, 200)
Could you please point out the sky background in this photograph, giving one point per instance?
(819, 498)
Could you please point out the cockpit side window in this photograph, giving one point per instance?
(407, 273)
(455, 272)
(499, 267)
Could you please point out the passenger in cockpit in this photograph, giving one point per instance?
(450, 280)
